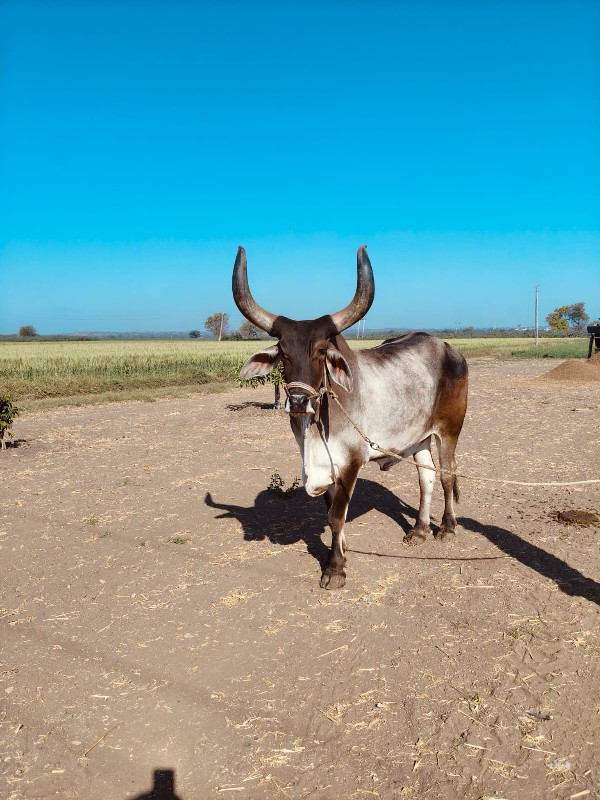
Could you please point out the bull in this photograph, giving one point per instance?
(403, 393)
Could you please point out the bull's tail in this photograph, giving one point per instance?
(456, 490)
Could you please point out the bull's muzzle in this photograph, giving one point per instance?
(299, 404)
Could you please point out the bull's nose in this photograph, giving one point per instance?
(299, 404)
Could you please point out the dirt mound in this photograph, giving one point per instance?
(578, 517)
(574, 370)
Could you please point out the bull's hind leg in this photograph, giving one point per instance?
(334, 576)
(446, 448)
(426, 482)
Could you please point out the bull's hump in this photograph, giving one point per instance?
(406, 343)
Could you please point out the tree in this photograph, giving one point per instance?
(577, 316)
(557, 319)
(217, 324)
(27, 331)
(195, 334)
(248, 330)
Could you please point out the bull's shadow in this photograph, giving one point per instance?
(288, 520)
(567, 578)
(249, 404)
(300, 518)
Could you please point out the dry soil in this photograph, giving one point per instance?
(164, 634)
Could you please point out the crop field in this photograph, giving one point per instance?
(50, 373)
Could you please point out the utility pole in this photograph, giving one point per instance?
(537, 290)
(221, 327)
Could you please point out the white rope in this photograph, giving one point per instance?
(503, 481)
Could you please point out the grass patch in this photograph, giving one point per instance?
(571, 348)
(131, 395)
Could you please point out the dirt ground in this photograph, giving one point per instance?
(164, 634)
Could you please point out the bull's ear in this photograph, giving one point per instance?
(260, 363)
(338, 368)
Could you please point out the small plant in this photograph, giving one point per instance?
(476, 703)
(92, 521)
(177, 540)
(277, 486)
(275, 377)
(8, 412)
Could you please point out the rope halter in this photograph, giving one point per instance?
(311, 392)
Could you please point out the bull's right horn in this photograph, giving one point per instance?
(243, 298)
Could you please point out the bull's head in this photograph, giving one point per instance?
(305, 347)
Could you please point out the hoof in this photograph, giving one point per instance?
(333, 579)
(445, 535)
(417, 535)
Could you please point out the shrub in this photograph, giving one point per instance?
(275, 377)
(8, 412)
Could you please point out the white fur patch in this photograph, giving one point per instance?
(319, 459)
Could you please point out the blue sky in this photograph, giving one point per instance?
(143, 141)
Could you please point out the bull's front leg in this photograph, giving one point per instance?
(334, 576)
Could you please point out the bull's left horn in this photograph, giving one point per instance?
(363, 297)
(243, 297)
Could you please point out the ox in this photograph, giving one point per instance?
(401, 393)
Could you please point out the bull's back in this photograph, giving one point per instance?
(416, 383)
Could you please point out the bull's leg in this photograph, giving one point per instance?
(446, 447)
(426, 482)
(329, 495)
(333, 576)
(277, 403)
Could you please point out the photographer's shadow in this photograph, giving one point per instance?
(290, 519)
(163, 787)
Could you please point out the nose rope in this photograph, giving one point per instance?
(312, 393)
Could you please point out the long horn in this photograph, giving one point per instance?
(363, 297)
(243, 298)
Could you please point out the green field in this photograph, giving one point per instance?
(38, 374)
